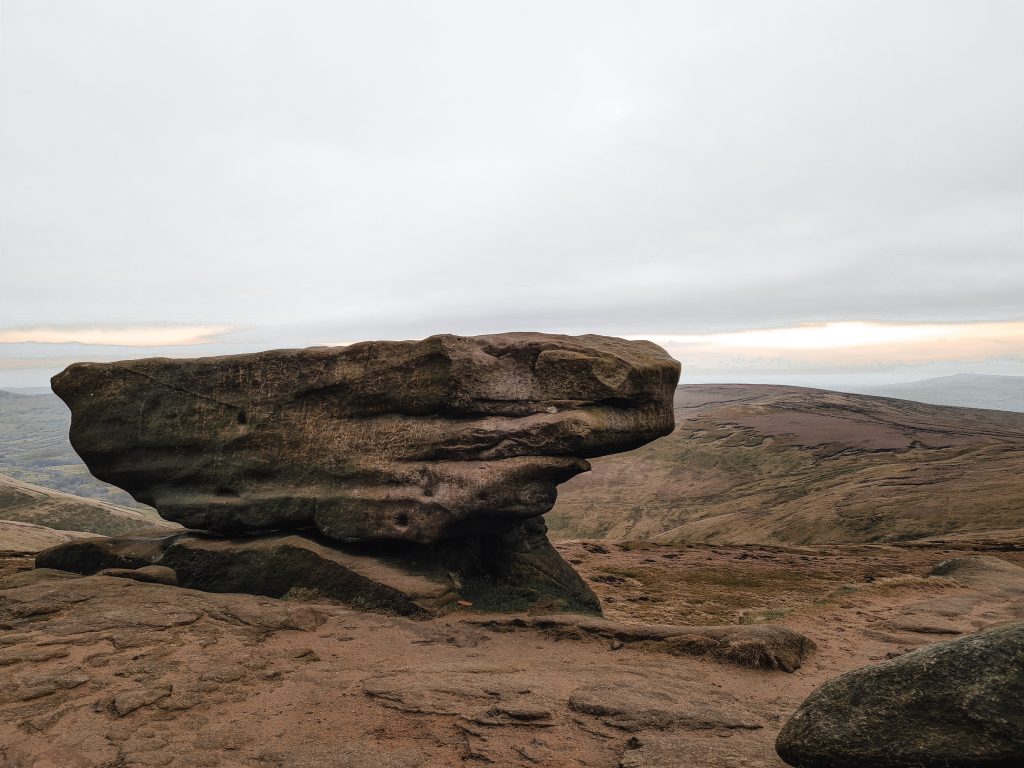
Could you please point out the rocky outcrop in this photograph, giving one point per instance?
(957, 704)
(394, 440)
(406, 476)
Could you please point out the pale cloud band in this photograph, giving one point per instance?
(850, 346)
(117, 336)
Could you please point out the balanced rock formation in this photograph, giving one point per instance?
(417, 441)
(455, 444)
(957, 704)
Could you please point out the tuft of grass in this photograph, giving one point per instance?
(490, 595)
(302, 595)
(904, 581)
(913, 582)
(836, 594)
(762, 617)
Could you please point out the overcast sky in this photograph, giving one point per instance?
(254, 174)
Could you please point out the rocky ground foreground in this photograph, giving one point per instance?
(105, 671)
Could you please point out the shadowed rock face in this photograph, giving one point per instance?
(418, 441)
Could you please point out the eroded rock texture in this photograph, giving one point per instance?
(401, 440)
(407, 476)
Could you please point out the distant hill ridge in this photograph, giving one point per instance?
(752, 464)
(966, 390)
(25, 503)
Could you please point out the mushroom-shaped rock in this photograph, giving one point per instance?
(420, 441)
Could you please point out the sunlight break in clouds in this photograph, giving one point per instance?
(851, 343)
(843, 335)
(117, 336)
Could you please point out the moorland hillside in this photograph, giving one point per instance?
(761, 464)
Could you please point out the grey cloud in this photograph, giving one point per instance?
(325, 172)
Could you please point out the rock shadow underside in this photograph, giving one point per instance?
(512, 571)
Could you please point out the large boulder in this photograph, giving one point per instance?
(419, 441)
(957, 704)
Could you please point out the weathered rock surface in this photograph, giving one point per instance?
(643, 705)
(509, 571)
(150, 574)
(957, 704)
(416, 441)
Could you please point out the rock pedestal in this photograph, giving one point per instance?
(444, 451)
(515, 570)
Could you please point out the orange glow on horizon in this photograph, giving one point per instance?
(848, 344)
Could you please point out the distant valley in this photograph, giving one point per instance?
(34, 448)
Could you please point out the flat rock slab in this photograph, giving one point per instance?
(107, 671)
(759, 646)
(956, 704)
(644, 705)
(411, 580)
(394, 440)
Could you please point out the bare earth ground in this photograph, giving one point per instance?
(100, 671)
